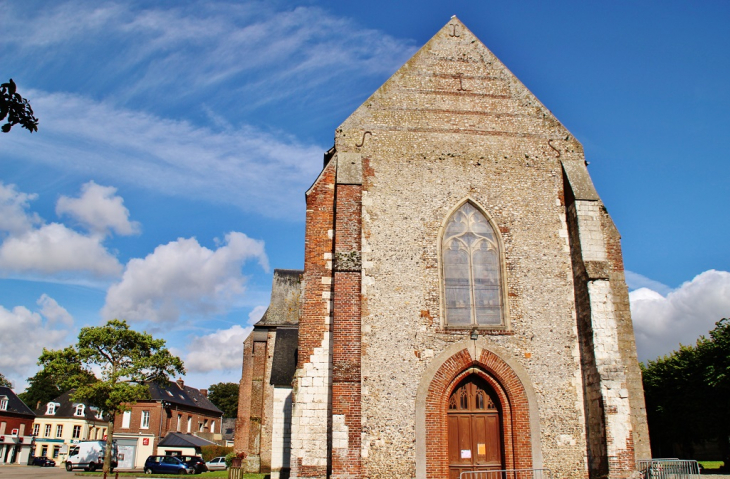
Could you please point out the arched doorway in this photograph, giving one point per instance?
(475, 428)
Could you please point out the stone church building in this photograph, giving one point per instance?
(463, 303)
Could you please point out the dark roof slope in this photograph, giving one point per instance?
(67, 407)
(286, 291)
(184, 440)
(177, 393)
(15, 405)
(284, 363)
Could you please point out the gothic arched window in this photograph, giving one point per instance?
(472, 271)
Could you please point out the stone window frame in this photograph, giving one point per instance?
(505, 327)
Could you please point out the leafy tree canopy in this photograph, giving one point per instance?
(4, 381)
(225, 397)
(16, 109)
(687, 393)
(47, 385)
(124, 359)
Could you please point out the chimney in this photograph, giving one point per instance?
(181, 383)
(38, 406)
(204, 392)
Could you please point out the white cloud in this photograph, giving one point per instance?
(98, 209)
(661, 323)
(54, 312)
(13, 205)
(24, 335)
(183, 277)
(222, 350)
(636, 281)
(57, 251)
(256, 314)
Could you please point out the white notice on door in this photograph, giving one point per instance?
(466, 453)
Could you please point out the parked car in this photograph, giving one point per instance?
(166, 465)
(196, 462)
(43, 462)
(217, 464)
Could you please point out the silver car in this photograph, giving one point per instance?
(217, 464)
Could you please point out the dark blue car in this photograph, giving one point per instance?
(166, 465)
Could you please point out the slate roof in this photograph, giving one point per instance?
(66, 408)
(286, 291)
(184, 440)
(185, 395)
(15, 405)
(284, 363)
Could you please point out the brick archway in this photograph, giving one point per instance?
(511, 392)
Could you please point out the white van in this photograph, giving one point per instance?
(89, 455)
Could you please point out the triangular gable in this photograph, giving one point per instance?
(455, 84)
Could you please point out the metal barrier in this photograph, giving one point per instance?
(507, 474)
(667, 468)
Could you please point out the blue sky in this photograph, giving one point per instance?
(176, 141)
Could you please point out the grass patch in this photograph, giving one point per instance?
(711, 464)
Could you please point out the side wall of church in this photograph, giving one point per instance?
(311, 413)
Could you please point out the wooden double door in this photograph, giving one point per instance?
(475, 428)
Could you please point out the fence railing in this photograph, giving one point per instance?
(667, 468)
(507, 474)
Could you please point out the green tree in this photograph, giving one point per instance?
(16, 109)
(45, 386)
(126, 361)
(4, 381)
(687, 395)
(225, 398)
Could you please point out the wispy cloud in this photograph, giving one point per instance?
(661, 322)
(259, 171)
(171, 98)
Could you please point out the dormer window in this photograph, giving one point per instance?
(99, 414)
(169, 393)
(3, 403)
(51, 409)
(79, 411)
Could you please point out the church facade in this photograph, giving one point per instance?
(463, 303)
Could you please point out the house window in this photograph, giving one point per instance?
(99, 414)
(212, 426)
(190, 423)
(145, 424)
(51, 409)
(205, 424)
(472, 270)
(200, 426)
(56, 450)
(59, 430)
(179, 422)
(36, 429)
(77, 432)
(3, 403)
(44, 451)
(126, 418)
(79, 410)
(47, 431)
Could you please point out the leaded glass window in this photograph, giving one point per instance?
(471, 270)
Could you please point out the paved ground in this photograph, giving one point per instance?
(13, 471)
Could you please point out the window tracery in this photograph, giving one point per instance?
(472, 272)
